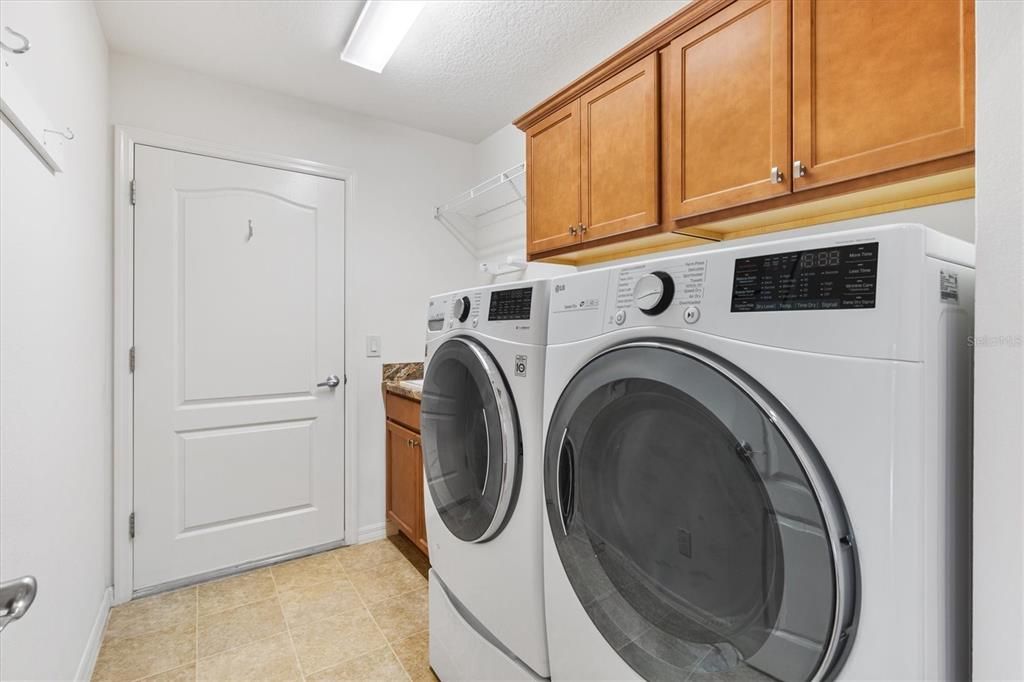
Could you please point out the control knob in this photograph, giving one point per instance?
(461, 309)
(653, 292)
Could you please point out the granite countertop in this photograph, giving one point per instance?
(404, 379)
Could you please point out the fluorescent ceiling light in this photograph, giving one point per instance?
(380, 28)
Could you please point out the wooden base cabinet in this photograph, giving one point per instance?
(404, 470)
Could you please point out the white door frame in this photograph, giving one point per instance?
(125, 139)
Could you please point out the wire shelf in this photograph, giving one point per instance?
(491, 200)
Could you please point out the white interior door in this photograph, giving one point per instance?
(239, 314)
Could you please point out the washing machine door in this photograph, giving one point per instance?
(471, 440)
(696, 523)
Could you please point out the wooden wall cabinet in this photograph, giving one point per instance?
(594, 163)
(880, 85)
(553, 180)
(727, 140)
(404, 469)
(737, 117)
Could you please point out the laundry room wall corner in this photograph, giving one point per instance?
(55, 347)
(998, 624)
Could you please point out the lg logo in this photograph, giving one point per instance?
(520, 366)
(559, 288)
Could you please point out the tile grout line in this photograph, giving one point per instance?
(276, 597)
(150, 632)
(195, 662)
(287, 627)
(381, 630)
(366, 607)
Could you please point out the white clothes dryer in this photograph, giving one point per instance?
(757, 461)
(482, 455)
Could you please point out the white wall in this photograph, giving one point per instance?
(55, 341)
(397, 254)
(999, 353)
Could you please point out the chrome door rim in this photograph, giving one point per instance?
(826, 494)
(510, 445)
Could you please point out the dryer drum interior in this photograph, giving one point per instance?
(698, 526)
(471, 442)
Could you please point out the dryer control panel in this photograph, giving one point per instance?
(833, 278)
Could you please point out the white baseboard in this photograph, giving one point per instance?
(92, 647)
(375, 531)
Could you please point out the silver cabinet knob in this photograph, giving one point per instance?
(15, 598)
(572, 230)
(776, 175)
(799, 169)
(330, 382)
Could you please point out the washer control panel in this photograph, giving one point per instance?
(516, 312)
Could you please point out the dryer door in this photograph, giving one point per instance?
(471, 442)
(695, 521)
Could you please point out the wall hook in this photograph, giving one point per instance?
(25, 44)
(69, 135)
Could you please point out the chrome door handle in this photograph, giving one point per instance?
(15, 598)
(330, 382)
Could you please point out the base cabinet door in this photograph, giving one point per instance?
(879, 85)
(404, 480)
(420, 538)
(728, 140)
(619, 137)
(553, 181)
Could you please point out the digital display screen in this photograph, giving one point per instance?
(510, 304)
(836, 278)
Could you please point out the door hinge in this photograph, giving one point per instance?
(131, 192)
(131, 526)
(131, 360)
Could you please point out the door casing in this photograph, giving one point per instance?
(125, 139)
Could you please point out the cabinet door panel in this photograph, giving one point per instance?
(404, 479)
(729, 109)
(620, 152)
(880, 84)
(553, 180)
(421, 516)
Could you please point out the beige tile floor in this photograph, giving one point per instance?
(355, 613)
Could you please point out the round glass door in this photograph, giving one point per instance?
(471, 443)
(698, 526)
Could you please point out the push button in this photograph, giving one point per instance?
(691, 314)
(620, 317)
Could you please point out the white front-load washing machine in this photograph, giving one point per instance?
(482, 455)
(757, 462)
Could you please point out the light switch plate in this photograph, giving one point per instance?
(373, 346)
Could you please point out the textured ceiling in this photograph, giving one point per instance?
(467, 67)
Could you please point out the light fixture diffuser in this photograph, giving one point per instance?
(380, 28)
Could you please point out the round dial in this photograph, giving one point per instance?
(461, 309)
(653, 292)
